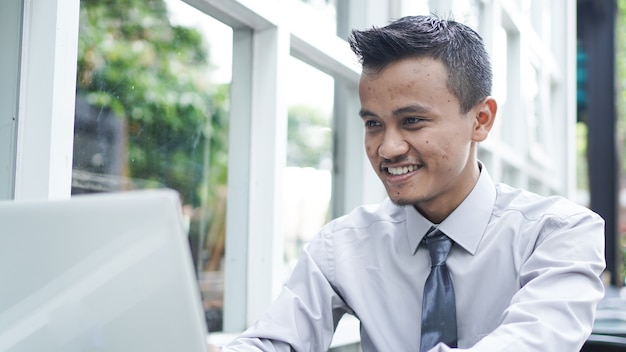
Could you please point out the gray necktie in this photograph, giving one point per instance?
(438, 305)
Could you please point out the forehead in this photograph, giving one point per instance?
(408, 69)
(420, 80)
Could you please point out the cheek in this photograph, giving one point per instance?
(372, 155)
(451, 144)
(371, 148)
(439, 150)
(453, 155)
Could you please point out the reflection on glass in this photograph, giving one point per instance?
(307, 177)
(149, 115)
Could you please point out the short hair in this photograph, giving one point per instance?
(456, 45)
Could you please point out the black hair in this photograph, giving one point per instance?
(456, 45)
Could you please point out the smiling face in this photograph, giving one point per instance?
(420, 143)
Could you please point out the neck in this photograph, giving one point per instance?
(438, 209)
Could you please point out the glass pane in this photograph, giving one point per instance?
(152, 112)
(307, 177)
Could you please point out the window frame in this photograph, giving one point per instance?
(46, 95)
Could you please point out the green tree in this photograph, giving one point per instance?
(153, 76)
(308, 137)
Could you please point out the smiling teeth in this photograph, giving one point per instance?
(401, 170)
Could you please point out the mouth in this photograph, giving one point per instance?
(400, 170)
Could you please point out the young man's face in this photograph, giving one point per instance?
(416, 138)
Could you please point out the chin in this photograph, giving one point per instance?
(406, 195)
(402, 201)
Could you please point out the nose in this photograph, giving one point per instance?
(393, 145)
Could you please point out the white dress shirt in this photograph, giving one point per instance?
(526, 272)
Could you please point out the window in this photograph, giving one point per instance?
(152, 107)
(307, 178)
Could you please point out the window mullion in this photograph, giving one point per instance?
(45, 117)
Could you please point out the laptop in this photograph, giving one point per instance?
(107, 272)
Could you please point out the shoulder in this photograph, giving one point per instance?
(342, 243)
(533, 207)
(366, 216)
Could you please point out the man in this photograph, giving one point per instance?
(521, 272)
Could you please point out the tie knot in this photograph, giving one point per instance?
(439, 246)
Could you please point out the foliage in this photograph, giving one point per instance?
(152, 75)
(308, 137)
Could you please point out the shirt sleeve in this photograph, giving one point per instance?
(561, 286)
(305, 314)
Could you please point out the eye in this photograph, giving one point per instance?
(412, 120)
(371, 123)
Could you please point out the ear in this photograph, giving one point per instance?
(484, 117)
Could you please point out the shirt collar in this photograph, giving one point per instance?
(466, 224)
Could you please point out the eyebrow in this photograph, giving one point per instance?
(420, 109)
(366, 113)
